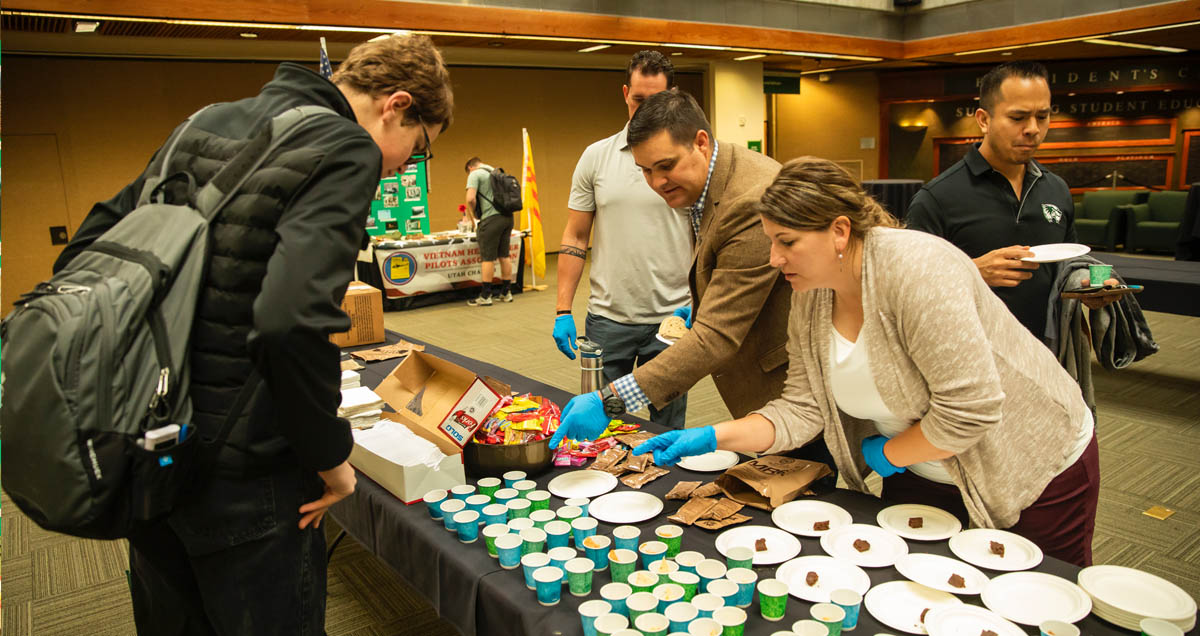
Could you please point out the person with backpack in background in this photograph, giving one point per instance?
(493, 230)
(243, 552)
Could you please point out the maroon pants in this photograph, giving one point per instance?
(1061, 522)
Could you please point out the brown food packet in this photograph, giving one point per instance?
(638, 463)
(351, 365)
(633, 440)
(608, 458)
(637, 480)
(682, 490)
(387, 352)
(711, 489)
(724, 508)
(717, 524)
(770, 481)
(694, 509)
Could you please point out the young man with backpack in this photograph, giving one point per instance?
(242, 553)
(489, 195)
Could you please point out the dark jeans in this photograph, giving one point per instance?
(233, 561)
(626, 345)
(1061, 522)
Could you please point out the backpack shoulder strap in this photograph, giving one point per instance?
(221, 188)
(153, 181)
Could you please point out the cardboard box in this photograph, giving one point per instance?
(364, 305)
(439, 401)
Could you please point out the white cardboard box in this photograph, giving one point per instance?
(439, 401)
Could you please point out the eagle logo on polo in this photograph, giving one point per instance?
(1051, 212)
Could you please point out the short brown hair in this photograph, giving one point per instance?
(810, 192)
(989, 86)
(402, 63)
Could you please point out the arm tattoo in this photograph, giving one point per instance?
(571, 250)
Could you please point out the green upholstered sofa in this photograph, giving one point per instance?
(1100, 222)
(1154, 225)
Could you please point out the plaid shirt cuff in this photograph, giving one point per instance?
(631, 393)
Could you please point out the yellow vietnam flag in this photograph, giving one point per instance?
(531, 215)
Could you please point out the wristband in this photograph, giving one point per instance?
(563, 312)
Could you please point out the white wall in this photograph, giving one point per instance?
(738, 108)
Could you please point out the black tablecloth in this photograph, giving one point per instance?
(893, 194)
(1170, 286)
(469, 589)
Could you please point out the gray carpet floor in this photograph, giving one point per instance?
(1149, 433)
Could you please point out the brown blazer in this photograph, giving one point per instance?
(740, 303)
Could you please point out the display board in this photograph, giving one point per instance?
(401, 203)
(1090, 172)
(427, 266)
(1191, 159)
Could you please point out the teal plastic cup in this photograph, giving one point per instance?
(688, 581)
(488, 486)
(739, 557)
(642, 581)
(589, 611)
(652, 624)
(579, 576)
(829, 615)
(640, 603)
(532, 540)
(610, 624)
(490, 532)
(518, 508)
(732, 620)
(538, 500)
(672, 535)
(512, 477)
(706, 604)
(616, 594)
(681, 614)
(622, 563)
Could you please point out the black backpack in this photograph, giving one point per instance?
(506, 194)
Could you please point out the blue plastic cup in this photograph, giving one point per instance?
(706, 604)
(531, 563)
(579, 502)
(582, 528)
(504, 495)
(627, 537)
(549, 585)
(560, 556)
(850, 601)
(709, 570)
(433, 502)
(726, 589)
(688, 560)
(746, 579)
(451, 507)
(596, 547)
(494, 513)
(616, 593)
(589, 611)
(462, 492)
(681, 614)
(558, 534)
(478, 503)
(467, 525)
(508, 548)
(512, 477)
(652, 551)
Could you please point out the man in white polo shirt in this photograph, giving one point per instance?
(641, 252)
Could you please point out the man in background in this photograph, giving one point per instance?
(493, 232)
(640, 250)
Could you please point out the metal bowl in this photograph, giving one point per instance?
(493, 460)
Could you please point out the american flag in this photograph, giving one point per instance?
(326, 68)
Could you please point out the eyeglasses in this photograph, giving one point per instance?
(425, 155)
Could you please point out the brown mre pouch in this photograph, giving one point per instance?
(638, 463)
(637, 480)
(695, 508)
(682, 490)
(724, 508)
(711, 489)
(608, 458)
(717, 524)
(770, 481)
(633, 440)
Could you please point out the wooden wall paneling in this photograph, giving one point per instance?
(1141, 170)
(1149, 126)
(885, 116)
(1189, 173)
(948, 150)
(33, 183)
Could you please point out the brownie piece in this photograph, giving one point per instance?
(957, 581)
(811, 579)
(760, 545)
(916, 522)
(821, 525)
(996, 548)
(987, 632)
(923, 613)
(861, 545)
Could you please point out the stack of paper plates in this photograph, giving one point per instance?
(1124, 596)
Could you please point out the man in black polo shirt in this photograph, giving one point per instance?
(998, 200)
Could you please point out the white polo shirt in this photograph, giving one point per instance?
(642, 249)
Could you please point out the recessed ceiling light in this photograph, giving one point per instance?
(86, 26)
(754, 56)
(1006, 53)
(597, 47)
(1070, 94)
(1120, 92)
(249, 35)
(676, 52)
(1166, 90)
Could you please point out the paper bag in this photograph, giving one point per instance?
(770, 481)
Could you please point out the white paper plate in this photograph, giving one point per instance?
(582, 483)
(932, 570)
(781, 546)
(885, 548)
(1030, 598)
(1054, 252)
(974, 547)
(710, 462)
(627, 506)
(898, 604)
(1136, 593)
(832, 574)
(968, 620)
(938, 524)
(798, 517)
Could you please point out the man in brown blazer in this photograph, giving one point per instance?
(740, 303)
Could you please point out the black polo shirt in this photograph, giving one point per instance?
(974, 207)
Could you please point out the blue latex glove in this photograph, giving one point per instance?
(872, 449)
(564, 335)
(671, 446)
(685, 313)
(582, 419)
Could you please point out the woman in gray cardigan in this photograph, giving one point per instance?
(909, 365)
